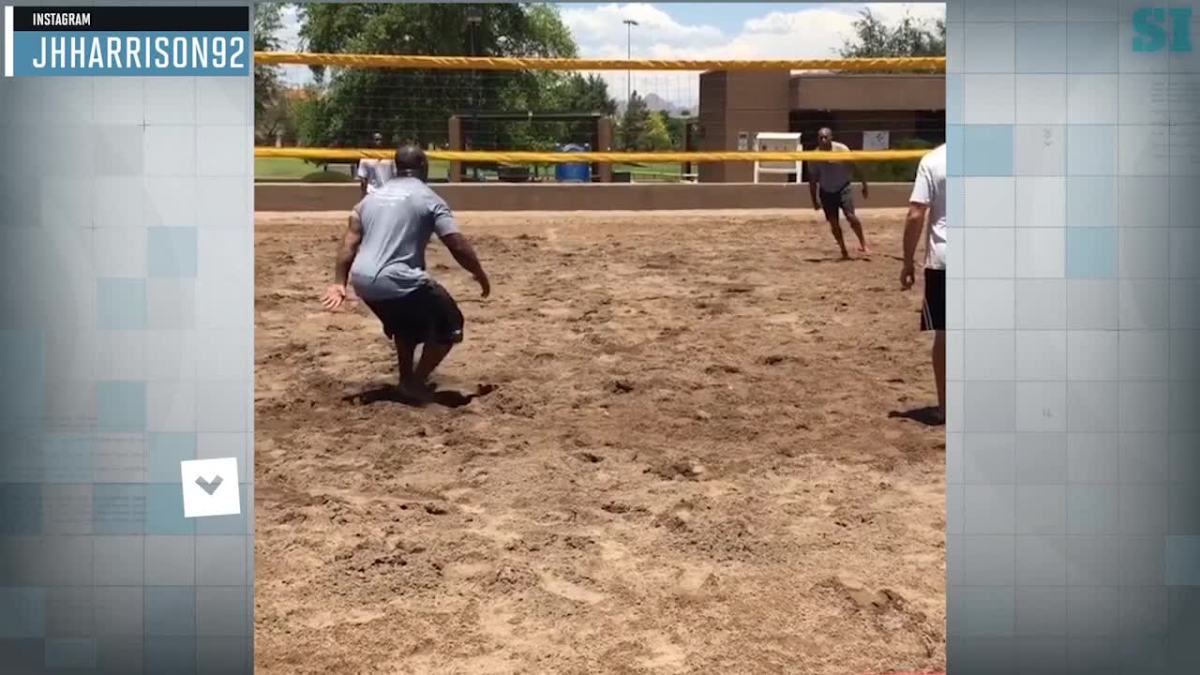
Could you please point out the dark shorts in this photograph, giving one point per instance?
(427, 314)
(933, 313)
(841, 200)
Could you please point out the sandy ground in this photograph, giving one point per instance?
(689, 459)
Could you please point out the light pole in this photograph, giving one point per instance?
(629, 24)
(474, 18)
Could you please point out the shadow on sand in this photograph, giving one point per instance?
(930, 416)
(392, 394)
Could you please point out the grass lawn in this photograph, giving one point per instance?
(283, 169)
(279, 169)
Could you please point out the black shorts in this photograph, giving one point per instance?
(427, 314)
(933, 313)
(841, 200)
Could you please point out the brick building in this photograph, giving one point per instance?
(908, 106)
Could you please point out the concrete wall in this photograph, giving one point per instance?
(836, 91)
(577, 197)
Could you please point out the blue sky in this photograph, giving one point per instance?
(731, 30)
(727, 16)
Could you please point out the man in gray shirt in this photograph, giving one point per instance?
(383, 256)
(832, 180)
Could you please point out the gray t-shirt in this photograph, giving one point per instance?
(397, 221)
(831, 176)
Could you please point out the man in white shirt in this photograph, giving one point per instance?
(374, 173)
(831, 181)
(927, 211)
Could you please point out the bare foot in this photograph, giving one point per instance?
(417, 392)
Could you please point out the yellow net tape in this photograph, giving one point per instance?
(933, 64)
(500, 157)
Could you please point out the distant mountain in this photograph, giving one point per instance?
(657, 103)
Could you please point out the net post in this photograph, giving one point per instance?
(604, 141)
(456, 144)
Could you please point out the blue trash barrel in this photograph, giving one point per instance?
(573, 173)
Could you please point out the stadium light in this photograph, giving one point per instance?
(629, 24)
(474, 19)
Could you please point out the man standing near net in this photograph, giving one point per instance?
(383, 255)
(927, 210)
(374, 173)
(831, 180)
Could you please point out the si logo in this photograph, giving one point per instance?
(1158, 28)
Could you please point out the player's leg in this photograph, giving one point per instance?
(933, 318)
(432, 355)
(391, 315)
(443, 329)
(855, 223)
(939, 370)
(404, 357)
(836, 228)
(831, 202)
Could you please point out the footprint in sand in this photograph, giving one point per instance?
(497, 621)
(468, 570)
(692, 579)
(355, 617)
(489, 526)
(666, 655)
(573, 592)
(612, 552)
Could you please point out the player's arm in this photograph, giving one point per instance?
(813, 177)
(447, 230)
(914, 223)
(464, 255)
(335, 295)
(363, 178)
(858, 176)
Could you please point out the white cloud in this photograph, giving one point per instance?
(805, 33)
(289, 35)
(604, 27)
(817, 32)
(289, 41)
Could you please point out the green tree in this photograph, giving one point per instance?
(269, 99)
(675, 128)
(577, 93)
(566, 93)
(633, 123)
(654, 135)
(416, 105)
(909, 37)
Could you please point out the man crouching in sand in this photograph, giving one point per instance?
(383, 255)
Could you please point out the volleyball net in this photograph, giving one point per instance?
(485, 118)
